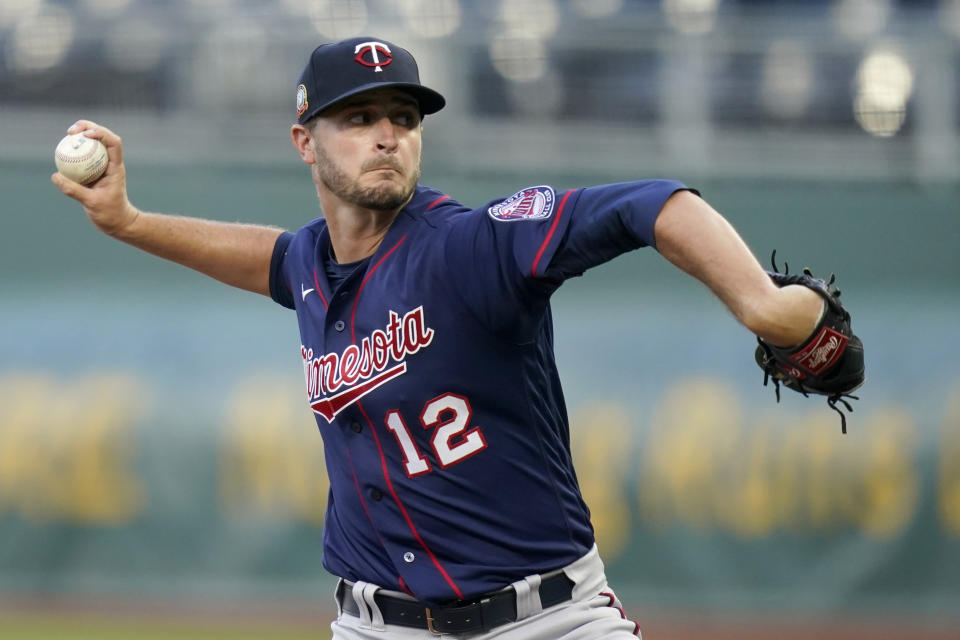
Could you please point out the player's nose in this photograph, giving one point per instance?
(386, 134)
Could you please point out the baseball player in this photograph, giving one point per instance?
(427, 352)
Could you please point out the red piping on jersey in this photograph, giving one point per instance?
(613, 600)
(406, 516)
(376, 438)
(553, 227)
(403, 585)
(436, 202)
(316, 283)
(353, 314)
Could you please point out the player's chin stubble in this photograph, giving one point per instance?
(384, 197)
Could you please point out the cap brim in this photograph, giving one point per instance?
(429, 100)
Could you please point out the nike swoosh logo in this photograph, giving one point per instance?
(330, 407)
(304, 292)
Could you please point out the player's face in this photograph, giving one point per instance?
(368, 150)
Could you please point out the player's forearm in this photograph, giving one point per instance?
(694, 237)
(237, 254)
(234, 253)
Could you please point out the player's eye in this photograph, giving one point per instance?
(405, 118)
(358, 117)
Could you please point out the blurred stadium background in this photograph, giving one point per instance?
(160, 475)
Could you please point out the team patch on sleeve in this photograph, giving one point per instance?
(533, 203)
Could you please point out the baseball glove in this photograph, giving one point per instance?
(829, 362)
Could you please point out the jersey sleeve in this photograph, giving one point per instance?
(508, 257)
(280, 289)
(607, 221)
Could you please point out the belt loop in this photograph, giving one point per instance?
(376, 616)
(364, 610)
(528, 596)
(337, 594)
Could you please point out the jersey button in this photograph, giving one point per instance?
(339, 325)
(355, 427)
(376, 494)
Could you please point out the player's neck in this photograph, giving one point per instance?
(356, 233)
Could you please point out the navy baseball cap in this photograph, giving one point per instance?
(342, 69)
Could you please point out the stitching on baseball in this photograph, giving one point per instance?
(82, 158)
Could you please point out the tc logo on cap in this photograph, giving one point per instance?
(372, 50)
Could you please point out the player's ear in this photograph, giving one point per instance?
(302, 139)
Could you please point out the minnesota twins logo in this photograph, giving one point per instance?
(535, 203)
(373, 51)
(363, 368)
(301, 100)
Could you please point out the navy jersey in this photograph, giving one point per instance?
(431, 374)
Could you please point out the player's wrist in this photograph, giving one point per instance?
(805, 310)
(787, 317)
(124, 227)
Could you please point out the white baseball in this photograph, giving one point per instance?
(80, 158)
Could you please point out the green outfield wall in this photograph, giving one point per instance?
(154, 437)
(876, 233)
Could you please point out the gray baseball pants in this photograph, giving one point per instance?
(592, 613)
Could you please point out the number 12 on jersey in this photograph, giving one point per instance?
(452, 441)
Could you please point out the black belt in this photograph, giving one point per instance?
(484, 613)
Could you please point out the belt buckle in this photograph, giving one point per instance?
(430, 626)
